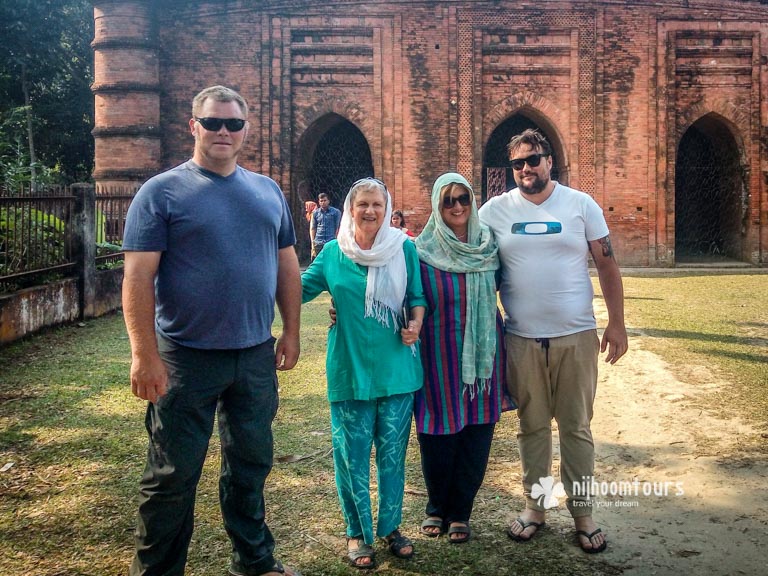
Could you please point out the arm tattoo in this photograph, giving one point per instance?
(606, 245)
(607, 249)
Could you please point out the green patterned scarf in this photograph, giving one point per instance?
(478, 258)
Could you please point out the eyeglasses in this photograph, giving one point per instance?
(450, 201)
(215, 124)
(533, 160)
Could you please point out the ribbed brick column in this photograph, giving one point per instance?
(127, 93)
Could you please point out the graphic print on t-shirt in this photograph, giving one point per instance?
(531, 228)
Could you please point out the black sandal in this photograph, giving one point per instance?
(462, 530)
(433, 522)
(363, 550)
(397, 542)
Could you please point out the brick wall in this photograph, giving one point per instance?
(614, 85)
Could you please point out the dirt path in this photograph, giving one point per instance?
(648, 433)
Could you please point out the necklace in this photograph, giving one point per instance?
(462, 237)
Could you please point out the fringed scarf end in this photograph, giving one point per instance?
(478, 386)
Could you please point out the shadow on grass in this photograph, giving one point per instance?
(77, 442)
(704, 337)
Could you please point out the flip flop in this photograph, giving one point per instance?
(525, 525)
(588, 536)
(462, 529)
(432, 523)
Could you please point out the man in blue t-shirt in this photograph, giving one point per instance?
(209, 250)
(324, 225)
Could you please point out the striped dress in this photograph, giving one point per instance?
(443, 406)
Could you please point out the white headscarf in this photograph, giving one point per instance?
(387, 275)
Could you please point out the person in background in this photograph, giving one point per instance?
(373, 365)
(305, 196)
(304, 238)
(546, 233)
(462, 355)
(324, 224)
(209, 248)
(398, 221)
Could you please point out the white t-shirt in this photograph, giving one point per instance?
(546, 290)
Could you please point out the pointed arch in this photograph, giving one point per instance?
(513, 115)
(735, 118)
(330, 154)
(711, 191)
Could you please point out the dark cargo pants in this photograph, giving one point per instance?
(241, 385)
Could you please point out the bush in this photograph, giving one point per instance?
(30, 240)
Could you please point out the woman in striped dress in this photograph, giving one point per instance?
(462, 355)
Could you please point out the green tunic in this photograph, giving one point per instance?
(365, 360)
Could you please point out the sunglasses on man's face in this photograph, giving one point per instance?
(450, 201)
(533, 160)
(215, 124)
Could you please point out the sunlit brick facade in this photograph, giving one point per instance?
(656, 109)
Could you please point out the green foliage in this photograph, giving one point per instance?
(30, 239)
(101, 227)
(45, 77)
(107, 249)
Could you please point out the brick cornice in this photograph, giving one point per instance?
(127, 174)
(97, 3)
(111, 131)
(104, 87)
(121, 43)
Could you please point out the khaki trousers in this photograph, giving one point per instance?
(555, 378)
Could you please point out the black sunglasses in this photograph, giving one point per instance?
(215, 124)
(450, 202)
(533, 160)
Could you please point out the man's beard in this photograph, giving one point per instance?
(537, 187)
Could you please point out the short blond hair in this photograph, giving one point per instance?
(218, 94)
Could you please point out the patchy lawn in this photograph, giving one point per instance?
(72, 447)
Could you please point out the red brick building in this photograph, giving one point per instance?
(657, 109)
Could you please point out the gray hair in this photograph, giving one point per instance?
(368, 184)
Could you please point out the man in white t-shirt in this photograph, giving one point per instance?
(546, 233)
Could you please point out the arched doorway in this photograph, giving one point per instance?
(710, 193)
(497, 173)
(333, 153)
(339, 155)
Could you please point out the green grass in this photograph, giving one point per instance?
(75, 436)
(718, 322)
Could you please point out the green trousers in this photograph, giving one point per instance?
(356, 427)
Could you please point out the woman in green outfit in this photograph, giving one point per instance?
(372, 364)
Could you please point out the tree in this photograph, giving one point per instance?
(46, 106)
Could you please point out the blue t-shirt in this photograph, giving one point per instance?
(219, 237)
